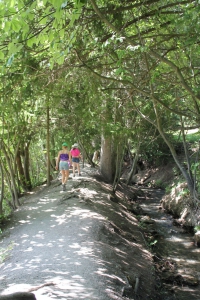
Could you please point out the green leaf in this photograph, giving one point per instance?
(30, 16)
(12, 48)
(43, 38)
(1, 55)
(10, 60)
(64, 4)
(30, 42)
(153, 243)
(34, 3)
(60, 60)
(57, 3)
(58, 14)
(51, 36)
(16, 25)
(11, 3)
(7, 26)
(62, 33)
(12, 10)
(43, 21)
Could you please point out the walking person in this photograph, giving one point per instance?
(62, 163)
(76, 155)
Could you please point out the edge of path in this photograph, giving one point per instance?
(117, 235)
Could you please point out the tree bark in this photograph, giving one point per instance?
(133, 167)
(26, 166)
(11, 176)
(106, 158)
(2, 189)
(48, 149)
(20, 169)
(118, 168)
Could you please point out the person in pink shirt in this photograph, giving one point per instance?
(76, 155)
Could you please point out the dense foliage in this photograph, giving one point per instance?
(110, 74)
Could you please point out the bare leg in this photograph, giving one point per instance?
(74, 165)
(78, 167)
(66, 176)
(63, 176)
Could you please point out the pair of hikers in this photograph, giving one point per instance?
(65, 158)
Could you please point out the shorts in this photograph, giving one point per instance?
(75, 159)
(63, 165)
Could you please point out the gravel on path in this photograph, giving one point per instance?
(74, 244)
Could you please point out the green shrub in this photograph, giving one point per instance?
(4, 253)
(197, 228)
(184, 192)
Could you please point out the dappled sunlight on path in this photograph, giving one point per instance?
(63, 249)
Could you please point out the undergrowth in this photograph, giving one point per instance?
(5, 252)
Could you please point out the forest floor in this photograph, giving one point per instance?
(86, 243)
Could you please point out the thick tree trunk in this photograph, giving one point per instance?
(13, 187)
(20, 169)
(106, 159)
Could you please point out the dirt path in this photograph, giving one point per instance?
(85, 243)
(77, 244)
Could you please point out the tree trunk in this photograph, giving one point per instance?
(26, 166)
(186, 175)
(48, 149)
(53, 154)
(85, 155)
(106, 158)
(186, 150)
(2, 189)
(11, 176)
(20, 169)
(184, 172)
(134, 165)
(119, 163)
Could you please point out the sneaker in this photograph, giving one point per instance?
(74, 175)
(64, 187)
(79, 174)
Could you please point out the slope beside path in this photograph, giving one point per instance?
(76, 244)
